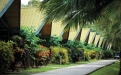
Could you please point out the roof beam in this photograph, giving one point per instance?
(5, 23)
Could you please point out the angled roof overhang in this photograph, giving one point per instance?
(4, 5)
(9, 18)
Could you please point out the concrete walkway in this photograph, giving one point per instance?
(82, 69)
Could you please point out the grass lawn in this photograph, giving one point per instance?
(112, 69)
(47, 68)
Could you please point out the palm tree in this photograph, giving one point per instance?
(112, 32)
(110, 24)
(74, 13)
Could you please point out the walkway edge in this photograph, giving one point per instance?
(102, 67)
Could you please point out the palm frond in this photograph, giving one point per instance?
(74, 12)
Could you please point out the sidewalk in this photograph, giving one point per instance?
(82, 69)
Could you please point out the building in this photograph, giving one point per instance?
(9, 18)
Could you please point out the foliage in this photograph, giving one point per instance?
(87, 55)
(79, 44)
(6, 56)
(28, 33)
(99, 53)
(56, 53)
(18, 41)
(94, 54)
(69, 44)
(73, 12)
(55, 40)
(90, 46)
(75, 44)
(43, 55)
(75, 55)
(75, 50)
(64, 55)
(28, 41)
(108, 54)
(33, 3)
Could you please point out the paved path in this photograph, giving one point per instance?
(82, 69)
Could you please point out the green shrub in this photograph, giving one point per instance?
(90, 46)
(56, 53)
(55, 40)
(87, 54)
(99, 53)
(43, 55)
(107, 54)
(75, 50)
(74, 44)
(75, 55)
(6, 56)
(96, 54)
(93, 54)
(30, 38)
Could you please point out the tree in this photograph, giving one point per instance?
(33, 3)
(74, 13)
(110, 24)
(112, 33)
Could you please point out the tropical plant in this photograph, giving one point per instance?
(6, 56)
(55, 40)
(76, 54)
(56, 53)
(75, 44)
(112, 17)
(73, 12)
(43, 55)
(18, 41)
(99, 53)
(28, 34)
(108, 54)
(75, 50)
(90, 46)
(87, 55)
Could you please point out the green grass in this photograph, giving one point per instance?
(53, 67)
(112, 69)
(19, 74)
(48, 68)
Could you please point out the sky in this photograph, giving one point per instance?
(25, 2)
